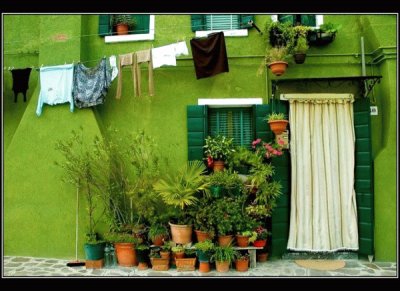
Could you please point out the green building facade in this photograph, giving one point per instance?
(39, 209)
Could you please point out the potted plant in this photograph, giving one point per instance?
(277, 122)
(275, 59)
(226, 214)
(142, 253)
(265, 150)
(179, 190)
(157, 262)
(79, 167)
(123, 23)
(165, 250)
(223, 256)
(261, 238)
(245, 237)
(204, 250)
(242, 262)
(217, 150)
(323, 35)
(124, 244)
(204, 227)
(242, 160)
(279, 33)
(158, 233)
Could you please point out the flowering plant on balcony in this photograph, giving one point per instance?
(267, 150)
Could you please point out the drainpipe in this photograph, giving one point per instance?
(363, 72)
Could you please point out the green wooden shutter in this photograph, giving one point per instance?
(286, 18)
(197, 21)
(244, 20)
(308, 20)
(104, 25)
(236, 123)
(364, 176)
(142, 23)
(197, 131)
(280, 215)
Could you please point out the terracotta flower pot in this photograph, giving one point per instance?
(219, 166)
(222, 266)
(181, 234)
(278, 126)
(225, 240)
(242, 241)
(202, 235)
(122, 29)
(204, 267)
(126, 254)
(262, 257)
(242, 265)
(278, 68)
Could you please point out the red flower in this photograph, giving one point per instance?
(210, 162)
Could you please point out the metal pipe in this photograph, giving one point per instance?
(363, 71)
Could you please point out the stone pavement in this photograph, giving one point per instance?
(42, 267)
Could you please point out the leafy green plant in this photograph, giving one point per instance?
(157, 229)
(202, 213)
(142, 247)
(218, 147)
(124, 19)
(301, 46)
(166, 247)
(275, 116)
(205, 246)
(224, 254)
(121, 237)
(178, 249)
(276, 54)
(79, 170)
(252, 235)
(329, 27)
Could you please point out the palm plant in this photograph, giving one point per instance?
(179, 189)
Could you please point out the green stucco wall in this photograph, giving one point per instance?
(33, 191)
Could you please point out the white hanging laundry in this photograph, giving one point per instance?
(163, 56)
(55, 86)
(181, 49)
(113, 64)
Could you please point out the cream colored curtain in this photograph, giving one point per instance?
(323, 214)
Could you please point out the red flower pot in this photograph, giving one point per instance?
(260, 243)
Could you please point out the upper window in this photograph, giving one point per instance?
(230, 24)
(143, 28)
(312, 20)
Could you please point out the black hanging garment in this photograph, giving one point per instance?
(20, 81)
(209, 55)
(91, 85)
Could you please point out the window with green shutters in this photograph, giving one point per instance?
(236, 123)
(142, 24)
(220, 21)
(299, 19)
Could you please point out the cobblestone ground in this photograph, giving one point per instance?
(44, 267)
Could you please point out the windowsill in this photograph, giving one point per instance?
(129, 37)
(230, 102)
(231, 32)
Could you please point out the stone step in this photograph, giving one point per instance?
(342, 255)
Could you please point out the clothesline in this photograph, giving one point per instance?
(162, 29)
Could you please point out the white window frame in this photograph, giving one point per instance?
(319, 19)
(133, 37)
(229, 102)
(227, 32)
